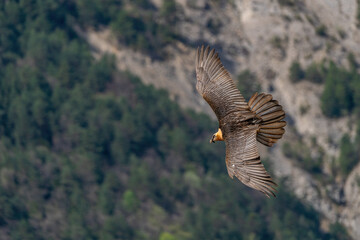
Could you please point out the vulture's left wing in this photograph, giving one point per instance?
(243, 161)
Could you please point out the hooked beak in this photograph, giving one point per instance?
(212, 139)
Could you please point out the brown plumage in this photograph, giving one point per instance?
(240, 123)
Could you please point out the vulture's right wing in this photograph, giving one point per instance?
(215, 84)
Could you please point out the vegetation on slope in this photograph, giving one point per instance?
(299, 151)
(340, 97)
(91, 153)
(248, 84)
(137, 24)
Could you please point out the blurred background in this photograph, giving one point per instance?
(103, 135)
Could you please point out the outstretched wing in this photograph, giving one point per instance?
(215, 84)
(243, 161)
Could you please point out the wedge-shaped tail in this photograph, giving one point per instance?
(271, 114)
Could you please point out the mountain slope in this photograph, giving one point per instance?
(266, 37)
(89, 152)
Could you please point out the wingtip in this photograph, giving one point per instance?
(197, 57)
(268, 195)
(205, 52)
(273, 195)
(201, 55)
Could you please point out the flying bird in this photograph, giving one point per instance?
(241, 123)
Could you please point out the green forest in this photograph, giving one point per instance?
(88, 152)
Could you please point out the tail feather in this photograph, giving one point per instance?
(256, 100)
(266, 141)
(274, 125)
(262, 101)
(277, 131)
(273, 136)
(270, 110)
(251, 100)
(276, 119)
(271, 114)
(266, 106)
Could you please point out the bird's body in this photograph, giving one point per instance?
(241, 124)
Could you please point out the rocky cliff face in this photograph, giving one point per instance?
(265, 36)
